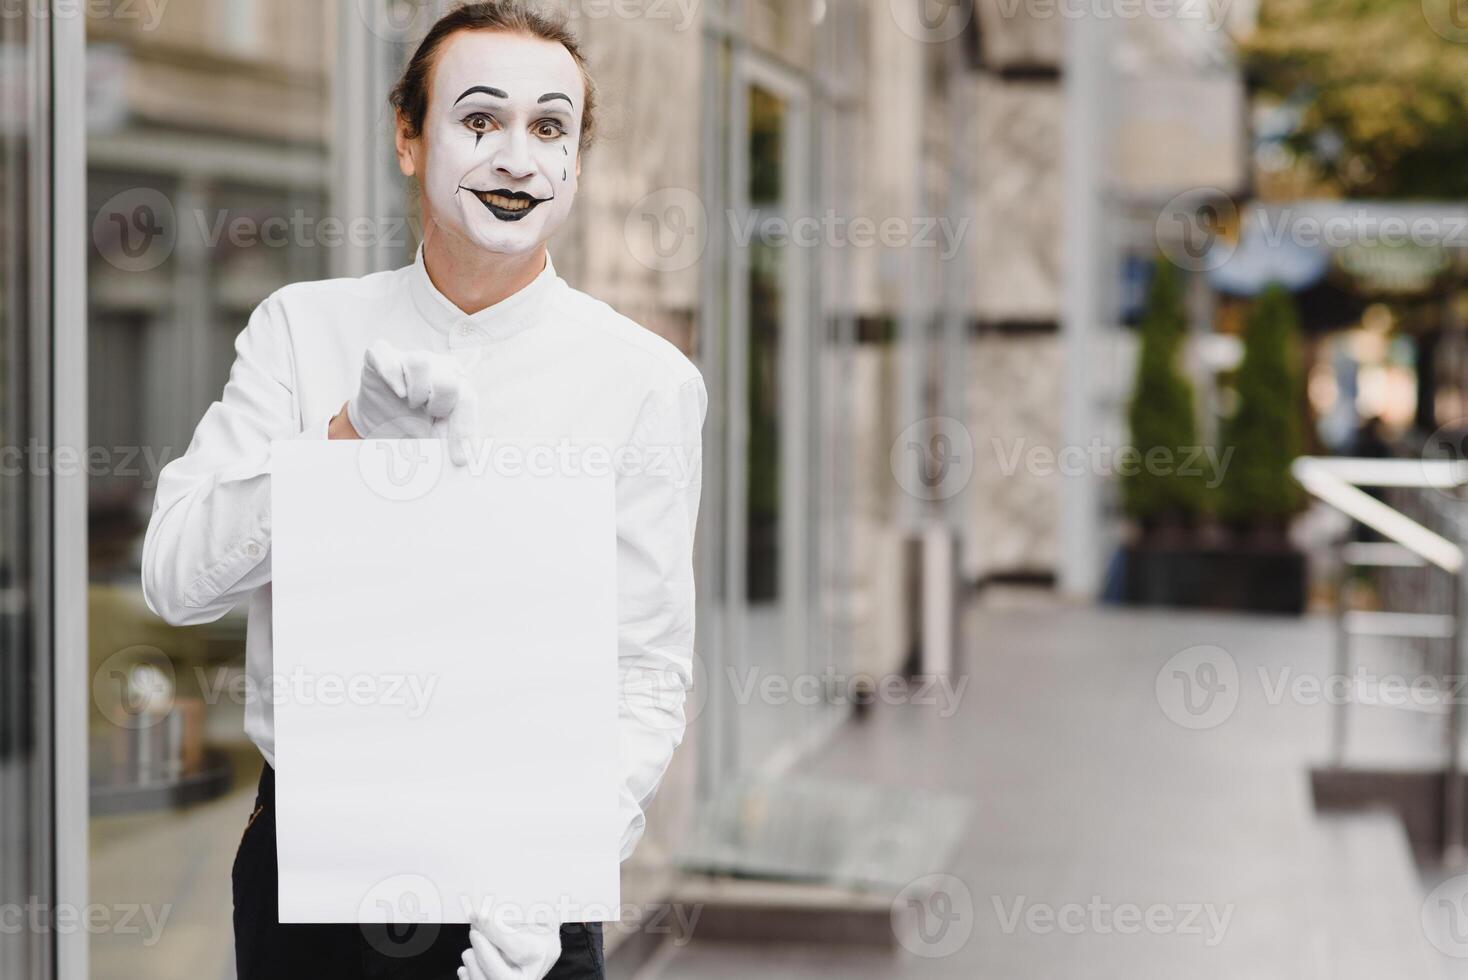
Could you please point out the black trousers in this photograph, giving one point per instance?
(266, 950)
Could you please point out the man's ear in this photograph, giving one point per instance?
(407, 163)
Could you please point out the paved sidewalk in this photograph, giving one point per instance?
(1088, 797)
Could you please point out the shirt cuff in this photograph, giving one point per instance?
(316, 429)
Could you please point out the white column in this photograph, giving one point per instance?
(1085, 268)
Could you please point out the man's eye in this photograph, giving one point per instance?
(478, 123)
(549, 129)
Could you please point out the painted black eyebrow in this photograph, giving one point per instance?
(552, 96)
(497, 93)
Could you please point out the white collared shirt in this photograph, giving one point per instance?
(549, 364)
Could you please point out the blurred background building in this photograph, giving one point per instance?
(925, 255)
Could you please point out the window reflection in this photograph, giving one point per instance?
(766, 298)
(25, 788)
(208, 161)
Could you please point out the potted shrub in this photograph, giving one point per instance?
(1163, 499)
(1258, 496)
(1173, 560)
(1165, 502)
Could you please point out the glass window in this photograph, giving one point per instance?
(208, 185)
(766, 146)
(778, 631)
(25, 757)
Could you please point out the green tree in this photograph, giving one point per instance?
(1379, 89)
(1161, 414)
(1264, 435)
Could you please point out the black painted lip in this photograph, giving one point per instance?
(501, 213)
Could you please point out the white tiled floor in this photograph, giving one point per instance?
(1086, 792)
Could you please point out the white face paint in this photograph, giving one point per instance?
(501, 136)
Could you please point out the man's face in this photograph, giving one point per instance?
(498, 153)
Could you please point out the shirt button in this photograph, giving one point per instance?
(252, 549)
(466, 330)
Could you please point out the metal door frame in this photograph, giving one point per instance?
(67, 227)
(750, 68)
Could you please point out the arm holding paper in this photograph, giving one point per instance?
(208, 543)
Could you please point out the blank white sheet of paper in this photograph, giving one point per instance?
(446, 686)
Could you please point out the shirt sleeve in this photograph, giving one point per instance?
(657, 513)
(208, 542)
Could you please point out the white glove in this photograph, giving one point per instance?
(414, 394)
(502, 952)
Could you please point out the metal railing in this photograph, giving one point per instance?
(1418, 509)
